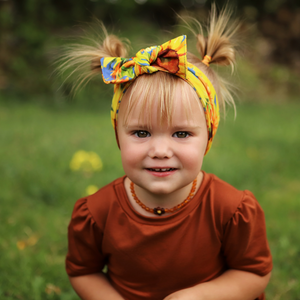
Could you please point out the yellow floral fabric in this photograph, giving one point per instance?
(169, 57)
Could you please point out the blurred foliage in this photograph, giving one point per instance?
(32, 29)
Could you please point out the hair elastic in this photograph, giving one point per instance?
(206, 60)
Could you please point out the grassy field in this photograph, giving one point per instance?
(258, 151)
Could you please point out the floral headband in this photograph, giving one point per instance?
(171, 58)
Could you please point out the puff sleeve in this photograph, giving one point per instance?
(245, 245)
(84, 242)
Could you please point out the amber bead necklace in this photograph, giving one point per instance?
(159, 210)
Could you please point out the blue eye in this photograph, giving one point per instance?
(181, 134)
(142, 133)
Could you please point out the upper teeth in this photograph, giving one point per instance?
(162, 170)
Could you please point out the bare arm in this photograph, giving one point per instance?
(231, 285)
(94, 287)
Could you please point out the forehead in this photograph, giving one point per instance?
(160, 99)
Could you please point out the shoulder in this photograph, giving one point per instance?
(221, 192)
(225, 199)
(98, 205)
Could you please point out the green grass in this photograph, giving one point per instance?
(258, 151)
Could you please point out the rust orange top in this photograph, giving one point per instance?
(149, 258)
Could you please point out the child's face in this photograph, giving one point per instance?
(163, 159)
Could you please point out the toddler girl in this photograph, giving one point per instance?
(167, 230)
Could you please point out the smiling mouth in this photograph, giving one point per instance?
(161, 170)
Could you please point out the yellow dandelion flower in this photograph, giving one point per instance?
(21, 245)
(86, 161)
(95, 161)
(32, 240)
(51, 288)
(78, 158)
(91, 189)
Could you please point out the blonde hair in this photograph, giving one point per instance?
(158, 90)
(219, 43)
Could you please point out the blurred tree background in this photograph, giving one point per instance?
(31, 29)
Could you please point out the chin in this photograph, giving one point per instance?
(163, 189)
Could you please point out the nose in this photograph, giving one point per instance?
(160, 148)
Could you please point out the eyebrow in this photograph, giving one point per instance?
(176, 128)
(136, 126)
(185, 126)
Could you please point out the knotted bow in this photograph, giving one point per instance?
(170, 57)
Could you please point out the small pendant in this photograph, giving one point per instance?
(159, 211)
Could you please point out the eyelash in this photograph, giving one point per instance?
(138, 132)
(185, 132)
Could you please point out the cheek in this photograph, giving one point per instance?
(130, 155)
(194, 154)
(194, 159)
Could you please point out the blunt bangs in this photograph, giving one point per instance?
(157, 91)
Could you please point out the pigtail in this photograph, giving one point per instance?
(81, 62)
(112, 46)
(220, 43)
